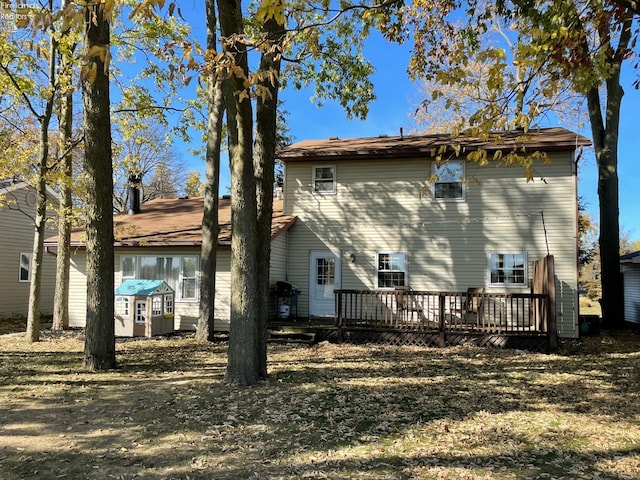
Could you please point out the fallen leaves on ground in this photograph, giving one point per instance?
(326, 411)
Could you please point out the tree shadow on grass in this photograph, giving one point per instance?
(166, 413)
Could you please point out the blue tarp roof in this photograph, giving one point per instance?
(141, 287)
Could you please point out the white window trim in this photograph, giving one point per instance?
(405, 271)
(29, 257)
(463, 198)
(182, 278)
(508, 285)
(313, 180)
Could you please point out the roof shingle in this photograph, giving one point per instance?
(176, 222)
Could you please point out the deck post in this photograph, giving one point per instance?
(441, 326)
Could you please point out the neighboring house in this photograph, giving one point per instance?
(630, 265)
(17, 212)
(376, 213)
(161, 240)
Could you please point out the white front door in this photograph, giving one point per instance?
(324, 277)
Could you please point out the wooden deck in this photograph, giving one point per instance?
(426, 318)
(446, 318)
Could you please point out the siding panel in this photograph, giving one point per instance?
(631, 274)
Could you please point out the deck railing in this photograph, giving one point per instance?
(425, 311)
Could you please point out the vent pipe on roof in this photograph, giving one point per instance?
(401, 134)
(135, 184)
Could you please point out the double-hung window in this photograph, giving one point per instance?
(25, 267)
(448, 180)
(508, 269)
(189, 277)
(391, 269)
(324, 180)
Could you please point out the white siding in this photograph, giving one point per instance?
(278, 261)
(16, 237)
(386, 205)
(78, 288)
(631, 275)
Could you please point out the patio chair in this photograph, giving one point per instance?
(406, 304)
(471, 305)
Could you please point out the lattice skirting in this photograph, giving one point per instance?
(538, 343)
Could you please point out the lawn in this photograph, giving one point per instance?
(327, 411)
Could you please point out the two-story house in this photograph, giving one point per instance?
(377, 213)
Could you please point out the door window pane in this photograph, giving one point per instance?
(325, 271)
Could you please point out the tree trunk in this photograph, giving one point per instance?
(264, 165)
(243, 365)
(33, 316)
(40, 220)
(63, 259)
(605, 143)
(99, 347)
(205, 327)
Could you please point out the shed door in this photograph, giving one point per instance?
(324, 277)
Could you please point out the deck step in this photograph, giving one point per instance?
(292, 336)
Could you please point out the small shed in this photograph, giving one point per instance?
(630, 265)
(144, 308)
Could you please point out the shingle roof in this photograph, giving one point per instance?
(411, 146)
(176, 222)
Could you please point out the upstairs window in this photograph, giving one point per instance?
(448, 181)
(324, 180)
(392, 270)
(25, 267)
(508, 269)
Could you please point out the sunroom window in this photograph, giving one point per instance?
(392, 269)
(180, 272)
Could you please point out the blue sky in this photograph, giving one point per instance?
(397, 98)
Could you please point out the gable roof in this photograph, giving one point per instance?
(142, 287)
(412, 146)
(175, 222)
